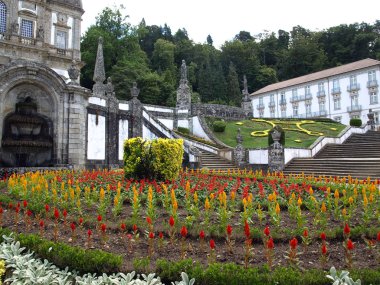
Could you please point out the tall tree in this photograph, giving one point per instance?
(233, 89)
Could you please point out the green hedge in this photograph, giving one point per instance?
(63, 255)
(355, 122)
(233, 274)
(159, 159)
(183, 130)
(219, 126)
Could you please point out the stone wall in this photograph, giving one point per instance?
(220, 111)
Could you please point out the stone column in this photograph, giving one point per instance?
(239, 151)
(137, 113)
(112, 138)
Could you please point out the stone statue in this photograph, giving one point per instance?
(40, 33)
(371, 120)
(14, 28)
(239, 138)
(183, 72)
(134, 90)
(73, 72)
(245, 90)
(110, 88)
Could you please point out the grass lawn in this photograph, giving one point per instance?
(295, 135)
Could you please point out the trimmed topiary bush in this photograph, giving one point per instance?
(159, 159)
(355, 122)
(282, 139)
(219, 126)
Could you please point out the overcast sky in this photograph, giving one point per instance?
(224, 19)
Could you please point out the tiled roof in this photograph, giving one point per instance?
(368, 62)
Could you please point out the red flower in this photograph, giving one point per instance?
(80, 221)
(17, 210)
(56, 214)
(47, 208)
(64, 213)
(123, 227)
(134, 228)
(201, 234)
(350, 244)
(378, 236)
(149, 220)
(1, 211)
(323, 236)
(171, 221)
(72, 226)
(89, 233)
(25, 204)
(99, 218)
(184, 232)
(305, 233)
(229, 230)
(151, 235)
(212, 244)
(270, 243)
(246, 230)
(10, 206)
(161, 235)
(42, 224)
(324, 249)
(103, 228)
(29, 213)
(346, 229)
(267, 231)
(293, 243)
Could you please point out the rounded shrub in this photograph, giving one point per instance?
(279, 129)
(219, 126)
(355, 122)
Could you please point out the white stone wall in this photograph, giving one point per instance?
(96, 139)
(183, 123)
(124, 107)
(123, 135)
(147, 134)
(345, 103)
(198, 130)
(97, 101)
(167, 122)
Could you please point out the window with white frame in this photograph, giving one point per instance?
(261, 100)
(353, 80)
(321, 87)
(295, 111)
(336, 103)
(60, 39)
(272, 98)
(354, 101)
(376, 118)
(307, 90)
(294, 93)
(338, 119)
(308, 109)
(322, 106)
(261, 113)
(371, 75)
(283, 113)
(26, 28)
(283, 96)
(3, 17)
(373, 97)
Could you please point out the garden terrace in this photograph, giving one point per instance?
(242, 212)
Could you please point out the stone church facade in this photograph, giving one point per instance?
(42, 118)
(48, 119)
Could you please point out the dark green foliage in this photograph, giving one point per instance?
(219, 126)
(63, 255)
(183, 130)
(233, 90)
(355, 122)
(233, 274)
(282, 139)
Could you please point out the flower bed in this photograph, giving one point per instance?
(251, 219)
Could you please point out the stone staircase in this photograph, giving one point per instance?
(358, 157)
(213, 161)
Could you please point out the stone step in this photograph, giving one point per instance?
(215, 162)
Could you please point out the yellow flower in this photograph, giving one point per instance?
(233, 195)
(365, 201)
(351, 200)
(336, 194)
(278, 209)
(299, 202)
(344, 212)
(311, 192)
(207, 204)
(101, 194)
(116, 201)
(195, 196)
(323, 207)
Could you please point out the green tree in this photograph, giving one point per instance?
(233, 89)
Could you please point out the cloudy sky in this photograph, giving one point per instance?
(224, 19)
